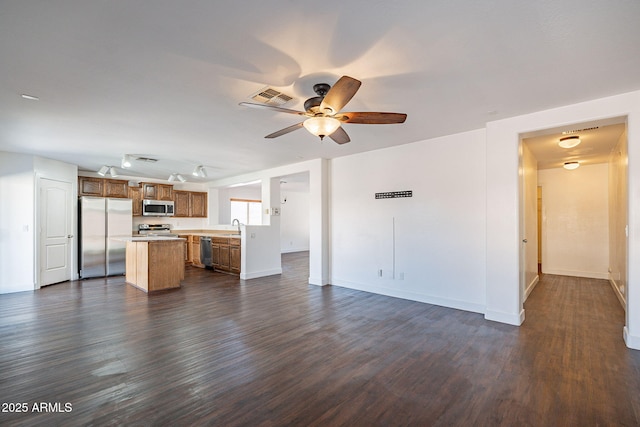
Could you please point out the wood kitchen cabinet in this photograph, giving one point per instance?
(88, 186)
(181, 203)
(154, 265)
(153, 191)
(102, 187)
(195, 252)
(135, 194)
(226, 254)
(198, 205)
(191, 204)
(116, 188)
(187, 248)
(234, 256)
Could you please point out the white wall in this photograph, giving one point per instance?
(575, 221)
(530, 221)
(294, 221)
(17, 216)
(618, 220)
(439, 232)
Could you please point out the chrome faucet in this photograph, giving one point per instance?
(236, 221)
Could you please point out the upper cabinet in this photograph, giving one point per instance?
(88, 186)
(102, 187)
(191, 204)
(116, 188)
(135, 194)
(151, 191)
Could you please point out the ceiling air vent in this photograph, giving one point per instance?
(270, 96)
(569, 132)
(146, 159)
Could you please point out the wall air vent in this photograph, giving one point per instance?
(270, 96)
(570, 132)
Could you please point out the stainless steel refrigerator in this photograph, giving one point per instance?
(103, 224)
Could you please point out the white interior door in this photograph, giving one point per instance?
(55, 231)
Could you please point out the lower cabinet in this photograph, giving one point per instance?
(195, 252)
(226, 254)
(187, 248)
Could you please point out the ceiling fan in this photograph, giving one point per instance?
(323, 112)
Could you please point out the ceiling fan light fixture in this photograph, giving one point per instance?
(569, 141)
(103, 170)
(321, 126)
(571, 165)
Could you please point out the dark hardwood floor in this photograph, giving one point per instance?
(276, 351)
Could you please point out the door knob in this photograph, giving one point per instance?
(524, 240)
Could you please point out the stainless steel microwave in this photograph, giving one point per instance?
(157, 208)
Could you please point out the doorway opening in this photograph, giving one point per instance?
(573, 222)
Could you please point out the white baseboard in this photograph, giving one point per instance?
(573, 273)
(290, 250)
(616, 290)
(256, 274)
(631, 341)
(412, 296)
(508, 318)
(319, 281)
(531, 286)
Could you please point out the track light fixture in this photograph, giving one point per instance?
(177, 176)
(126, 161)
(199, 171)
(103, 170)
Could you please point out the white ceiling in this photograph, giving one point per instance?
(163, 79)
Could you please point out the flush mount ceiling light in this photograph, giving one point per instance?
(569, 141)
(199, 171)
(321, 126)
(126, 161)
(571, 165)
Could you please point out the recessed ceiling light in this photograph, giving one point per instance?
(30, 97)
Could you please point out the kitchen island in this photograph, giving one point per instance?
(154, 263)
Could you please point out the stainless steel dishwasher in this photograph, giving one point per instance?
(206, 256)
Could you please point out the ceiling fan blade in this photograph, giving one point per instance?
(339, 95)
(372, 118)
(272, 108)
(340, 136)
(284, 131)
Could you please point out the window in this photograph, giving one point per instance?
(247, 211)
